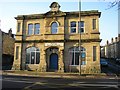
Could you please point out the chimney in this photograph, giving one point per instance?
(10, 32)
(118, 37)
(115, 39)
(112, 40)
(107, 42)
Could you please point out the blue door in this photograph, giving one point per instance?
(53, 61)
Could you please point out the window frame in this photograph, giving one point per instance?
(81, 27)
(94, 24)
(36, 29)
(18, 26)
(94, 53)
(35, 51)
(73, 27)
(30, 31)
(74, 52)
(17, 53)
(54, 30)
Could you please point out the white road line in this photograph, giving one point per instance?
(16, 81)
(94, 85)
(98, 82)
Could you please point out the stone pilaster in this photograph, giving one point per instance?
(0, 49)
(42, 65)
(60, 63)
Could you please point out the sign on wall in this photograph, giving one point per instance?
(54, 44)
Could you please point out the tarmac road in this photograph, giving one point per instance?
(11, 82)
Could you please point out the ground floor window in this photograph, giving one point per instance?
(74, 55)
(32, 55)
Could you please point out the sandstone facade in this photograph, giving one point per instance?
(52, 48)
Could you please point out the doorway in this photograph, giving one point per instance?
(53, 65)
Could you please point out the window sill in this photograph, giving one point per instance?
(76, 65)
(34, 35)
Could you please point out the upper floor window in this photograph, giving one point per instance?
(73, 27)
(54, 28)
(37, 28)
(30, 29)
(81, 27)
(18, 27)
(94, 23)
(32, 55)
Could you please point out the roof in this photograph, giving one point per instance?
(59, 13)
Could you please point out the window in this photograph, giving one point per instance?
(30, 29)
(17, 52)
(94, 23)
(54, 28)
(18, 28)
(81, 27)
(32, 55)
(74, 56)
(73, 27)
(37, 28)
(94, 53)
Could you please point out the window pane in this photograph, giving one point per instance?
(54, 28)
(76, 58)
(18, 29)
(27, 58)
(37, 29)
(30, 29)
(73, 30)
(94, 53)
(32, 57)
(37, 57)
(17, 52)
(81, 26)
(83, 63)
(72, 58)
(83, 55)
(94, 23)
(73, 27)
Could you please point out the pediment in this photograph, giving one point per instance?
(55, 13)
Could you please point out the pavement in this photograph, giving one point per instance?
(57, 74)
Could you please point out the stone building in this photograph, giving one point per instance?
(7, 41)
(50, 41)
(112, 49)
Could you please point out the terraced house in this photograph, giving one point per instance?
(50, 41)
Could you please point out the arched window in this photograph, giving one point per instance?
(32, 55)
(74, 56)
(54, 28)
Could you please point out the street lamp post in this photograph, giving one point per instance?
(79, 37)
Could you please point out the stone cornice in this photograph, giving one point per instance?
(58, 14)
(42, 41)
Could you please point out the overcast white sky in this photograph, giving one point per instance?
(108, 24)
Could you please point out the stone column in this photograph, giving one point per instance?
(42, 65)
(60, 62)
(1, 49)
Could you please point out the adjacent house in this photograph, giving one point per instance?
(112, 49)
(7, 41)
(53, 41)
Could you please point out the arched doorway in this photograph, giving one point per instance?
(53, 65)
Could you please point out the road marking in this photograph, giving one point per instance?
(93, 85)
(16, 81)
(97, 82)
